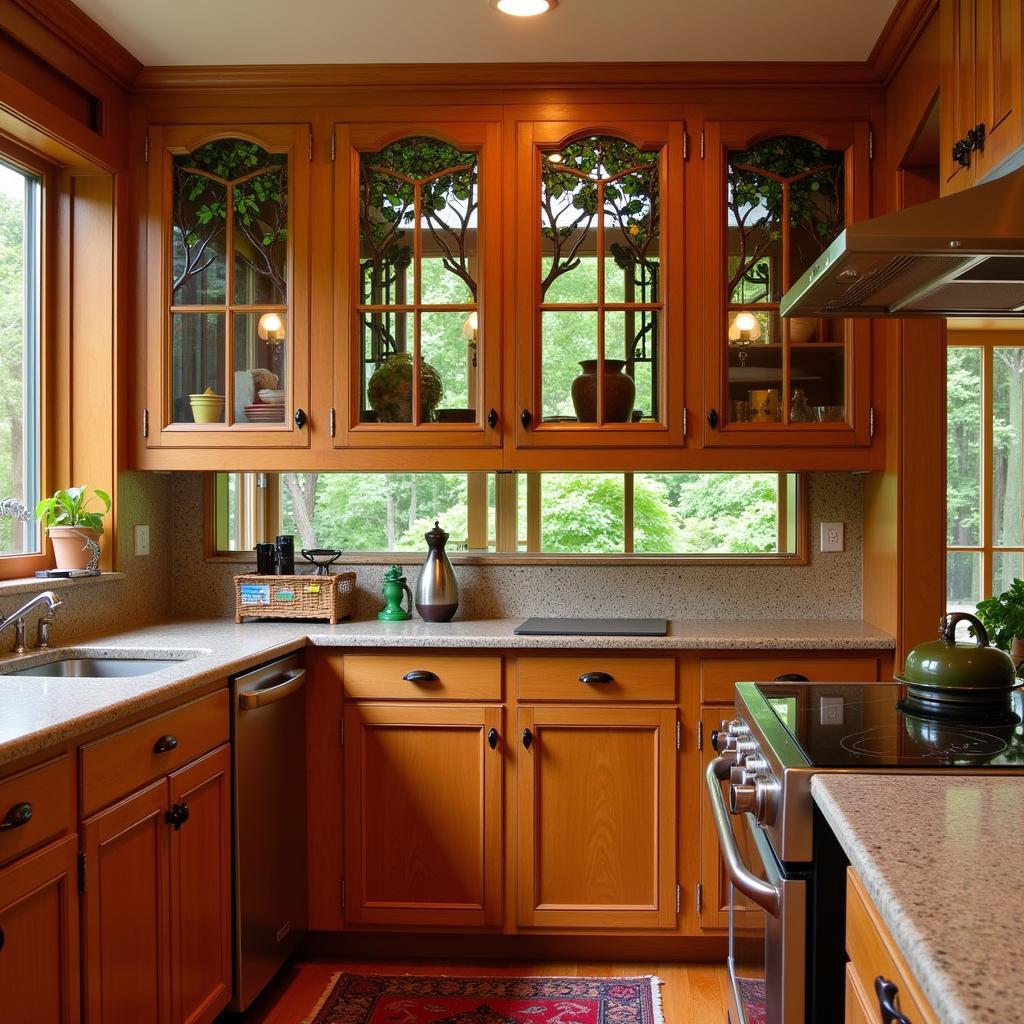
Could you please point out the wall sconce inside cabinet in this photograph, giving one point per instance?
(744, 328)
(271, 327)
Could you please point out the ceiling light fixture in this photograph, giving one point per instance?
(524, 8)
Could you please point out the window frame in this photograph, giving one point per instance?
(987, 341)
(795, 530)
(26, 565)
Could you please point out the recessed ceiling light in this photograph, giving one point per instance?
(524, 8)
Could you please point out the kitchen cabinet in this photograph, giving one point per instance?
(777, 194)
(417, 304)
(39, 936)
(596, 817)
(982, 88)
(423, 814)
(228, 338)
(598, 272)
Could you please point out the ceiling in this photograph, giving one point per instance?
(198, 32)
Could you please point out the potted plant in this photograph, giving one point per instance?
(71, 525)
(1003, 617)
(390, 390)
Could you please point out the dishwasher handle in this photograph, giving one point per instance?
(764, 894)
(293, 682)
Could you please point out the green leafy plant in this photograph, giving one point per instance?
(390, 390)
(70, 508)
(1003, 616)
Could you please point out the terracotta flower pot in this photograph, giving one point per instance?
(1017, 653)
(69, 545)
(619, 392)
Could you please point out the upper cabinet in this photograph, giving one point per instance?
(417, 306)
(598, 227)
(982, 89)
(778, 195)
(228, 295)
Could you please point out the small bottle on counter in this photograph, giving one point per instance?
(285, 549)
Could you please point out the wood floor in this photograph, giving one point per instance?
(692, 993)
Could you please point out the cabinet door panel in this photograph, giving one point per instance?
(1000, 80)
(423, 815)
(39, 978)
(957, 110)
(596, 816)
(200, 862)
(126, 911)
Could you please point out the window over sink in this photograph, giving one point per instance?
(517, 516)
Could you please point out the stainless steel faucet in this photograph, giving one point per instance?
(17, 618)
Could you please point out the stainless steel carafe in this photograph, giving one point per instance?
(437, 591)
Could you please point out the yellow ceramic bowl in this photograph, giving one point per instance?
(207, 408)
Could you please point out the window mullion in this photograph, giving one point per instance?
(628, 509)
(987, 466)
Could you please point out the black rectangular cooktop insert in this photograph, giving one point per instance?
(854, 725)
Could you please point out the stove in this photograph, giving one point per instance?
(784, 732)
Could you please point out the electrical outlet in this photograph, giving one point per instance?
(832, 537)
(831, 710)
(141, 540)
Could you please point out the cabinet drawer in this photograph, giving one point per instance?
(49, 791)
(718, 676)
(858, 1006)
(416, 677)
(116, 765)
(596, 678)
(873, 953)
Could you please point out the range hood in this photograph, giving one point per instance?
(962, 255)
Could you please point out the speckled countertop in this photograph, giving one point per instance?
(37, 712)
(940, 857)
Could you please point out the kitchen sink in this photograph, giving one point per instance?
(96, 668)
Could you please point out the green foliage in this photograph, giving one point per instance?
(1003, 616)
(71, 508)
(390, 390)
(12, 325)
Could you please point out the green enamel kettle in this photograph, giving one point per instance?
(394, 587)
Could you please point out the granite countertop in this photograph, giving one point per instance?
(38, 712)
(940, 857)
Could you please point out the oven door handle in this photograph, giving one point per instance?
(764, 894)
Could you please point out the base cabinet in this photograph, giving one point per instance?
(423, 808)
(39, 979)
(596, 816)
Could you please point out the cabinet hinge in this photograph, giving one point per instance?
(331, 422)
(686, 421)
(702, 143)
(686, 145)
(334, 144)
(871, 144)
(343, 894)
(81, 871)
(679, 735)
(679, 898)
(145, 149)
(700, 897)
(309, 145)
(871, 422)
(145, 423)
(700, 734)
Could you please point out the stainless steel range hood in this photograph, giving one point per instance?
(962, 255)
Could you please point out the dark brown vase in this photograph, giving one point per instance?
(619, 392)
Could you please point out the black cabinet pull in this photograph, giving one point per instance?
(492, 738)
(165, 743)
(791, 677)
(975, 138)
(300, 418)
(3, 938)
(177, 815)
(887, 992)
(527, 738)
(596, 677)
(18, 815)
(420, 676)
(713, 418)
(492, 418)
(961, 153)
(525, 418)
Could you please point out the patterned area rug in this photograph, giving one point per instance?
(412, 999)
(753, 996)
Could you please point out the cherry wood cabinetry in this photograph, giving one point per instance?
(39, 978)
(982, 88)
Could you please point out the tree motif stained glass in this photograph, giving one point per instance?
(418, 313)
(600, 236)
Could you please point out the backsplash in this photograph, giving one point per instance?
(829, 587)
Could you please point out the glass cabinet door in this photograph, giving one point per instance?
(783, 195)
(232, 301)
(418, 312)
(593, 272)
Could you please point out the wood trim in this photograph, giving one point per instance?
(905, 25)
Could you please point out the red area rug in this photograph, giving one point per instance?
(412, 999)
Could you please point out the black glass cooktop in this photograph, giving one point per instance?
(851, 725)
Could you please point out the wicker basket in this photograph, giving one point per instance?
(295, 597)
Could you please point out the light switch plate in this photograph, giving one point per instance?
(831, 710)
(832, 537)
(141, 540)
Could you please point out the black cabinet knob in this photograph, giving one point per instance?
(300, 418)
(18, 815)
(525, 418)
(164, 744)
(527, 738)
(492, 418)
(492, 738)
(887, 992)
(177, 815)
(713, 418)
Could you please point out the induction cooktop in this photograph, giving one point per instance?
(592, 627)
(854, 725)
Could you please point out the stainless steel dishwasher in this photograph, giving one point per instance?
(268, 727)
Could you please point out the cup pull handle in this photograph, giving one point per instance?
(164, 744)
(596, 677)
(887, 992)
(18, 815)
(420, 676)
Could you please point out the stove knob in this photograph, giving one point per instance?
(742, 798)
(744, 749)
(767, 792)
(721, 741)
(738, 729)
(753, 767)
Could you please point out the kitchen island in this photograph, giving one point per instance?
(939, 857)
